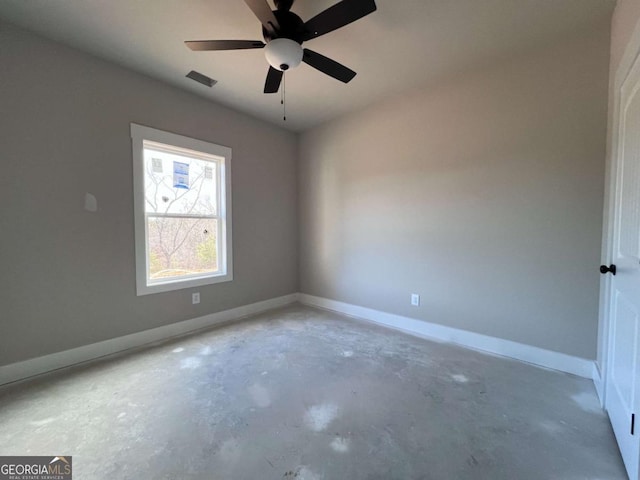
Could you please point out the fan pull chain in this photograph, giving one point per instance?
(283, 101)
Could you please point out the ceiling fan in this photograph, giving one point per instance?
(284, 32)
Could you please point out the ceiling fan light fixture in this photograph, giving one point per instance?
(283, 53)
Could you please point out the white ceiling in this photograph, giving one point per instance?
(404, 44)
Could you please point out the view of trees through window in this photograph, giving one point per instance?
(181, 203)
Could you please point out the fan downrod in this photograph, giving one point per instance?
(283, 4)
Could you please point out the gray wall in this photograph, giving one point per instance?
(67, 277)
(483, 195)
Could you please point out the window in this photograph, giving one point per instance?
(182, 207)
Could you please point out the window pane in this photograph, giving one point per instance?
(181, 246)
(180, 184)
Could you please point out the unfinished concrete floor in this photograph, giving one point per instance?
(300, 393)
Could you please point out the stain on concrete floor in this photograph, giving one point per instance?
(299, 393)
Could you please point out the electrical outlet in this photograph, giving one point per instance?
(195, 298)
(415, 299)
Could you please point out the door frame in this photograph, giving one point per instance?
(628, 60)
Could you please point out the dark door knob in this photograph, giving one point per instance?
(604, 269)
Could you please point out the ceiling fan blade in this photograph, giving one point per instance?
(339, 15)
(207, 45)
(328, 66)
(272, 84)
(262, 10)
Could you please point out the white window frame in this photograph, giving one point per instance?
(139, 134)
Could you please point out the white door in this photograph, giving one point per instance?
(623, 378)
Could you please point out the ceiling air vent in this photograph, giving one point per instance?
(200, 78)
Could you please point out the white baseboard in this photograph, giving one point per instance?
(599, 384)
(518, 351)
(526, 353)
(36, 366)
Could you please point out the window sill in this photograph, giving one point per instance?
(144, 289)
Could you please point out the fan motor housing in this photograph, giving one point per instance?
(291, 27)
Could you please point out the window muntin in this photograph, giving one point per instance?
(182, 211)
